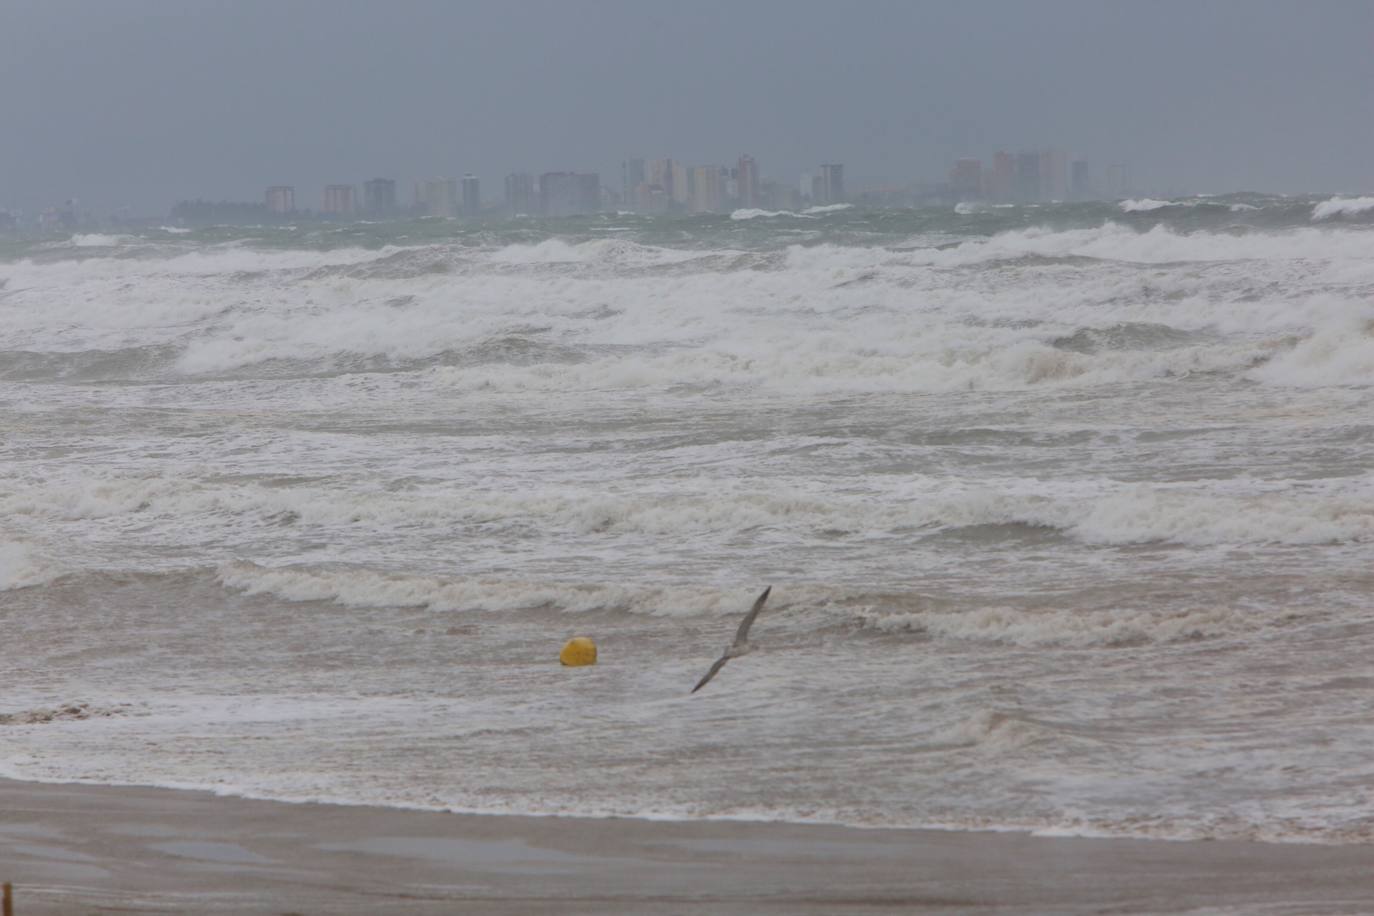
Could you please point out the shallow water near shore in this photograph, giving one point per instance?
(1068, 511)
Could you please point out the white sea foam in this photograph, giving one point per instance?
(20, 568)
(826, 208)
(756, 213)
(1143, 204)
(1113, 241)
(639, 331)
(527, 525)
(995, 732)
(372, 588)
(1342, 206)
(606, 252)
(1083, 463)
(1076, 628)
(1339, 353)
(98, 240)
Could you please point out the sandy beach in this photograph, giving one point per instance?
(95, 849)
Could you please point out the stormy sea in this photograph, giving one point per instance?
(1068, 512)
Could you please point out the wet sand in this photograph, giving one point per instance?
(96, 849)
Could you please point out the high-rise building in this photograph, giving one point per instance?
(521, 197)
(437, 197)
(682, 185)
(1027, 189)
(379, 196)
(669, 185)
(831, 188)
(632, 174)
(661, 175)
(1002, 182)
(472, 195)
(1080, 181)
(281, 198)
(707, 194)
(966, 179)
(1054, 175)
(338, 199)
(651, 198)
(569, 193)
(747, 181)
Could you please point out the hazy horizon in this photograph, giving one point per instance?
(141, 103)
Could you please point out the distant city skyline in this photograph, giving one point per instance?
(666, 186)
(141, 103)
(649, 186)
(661, 185)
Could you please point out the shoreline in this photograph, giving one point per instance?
(73, 847)
(1048, 832)
(1053, 832)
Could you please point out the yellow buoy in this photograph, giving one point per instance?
(579, 651)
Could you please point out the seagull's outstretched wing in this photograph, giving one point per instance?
(741, 635)
(720, 663)
(743, 632)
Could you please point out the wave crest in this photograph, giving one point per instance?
(1342, 206)
(20, 568)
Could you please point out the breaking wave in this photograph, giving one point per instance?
(755, 213)
(1143, 204)
(1082, 629)
(20, 568)
(615, 314)
(1342, 206)
(360, 587)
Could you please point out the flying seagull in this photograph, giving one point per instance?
(741, 644)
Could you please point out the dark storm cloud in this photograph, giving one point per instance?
(139, 102)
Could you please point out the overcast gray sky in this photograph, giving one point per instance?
(141, 102)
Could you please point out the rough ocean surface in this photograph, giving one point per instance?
(1068, 511)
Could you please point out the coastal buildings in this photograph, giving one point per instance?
(706, 189)
(472, 195)
(747, 182)
(666, 185)
(436, 197)
(831, 187)
(681, 190)
(1030, 176)
(1027, 187)
(281, 199)
(338, 200)
(522, 196)
(632, 175)
(379, 197)
(669, 186)
(1002, 179)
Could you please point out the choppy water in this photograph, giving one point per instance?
(1068, 510)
